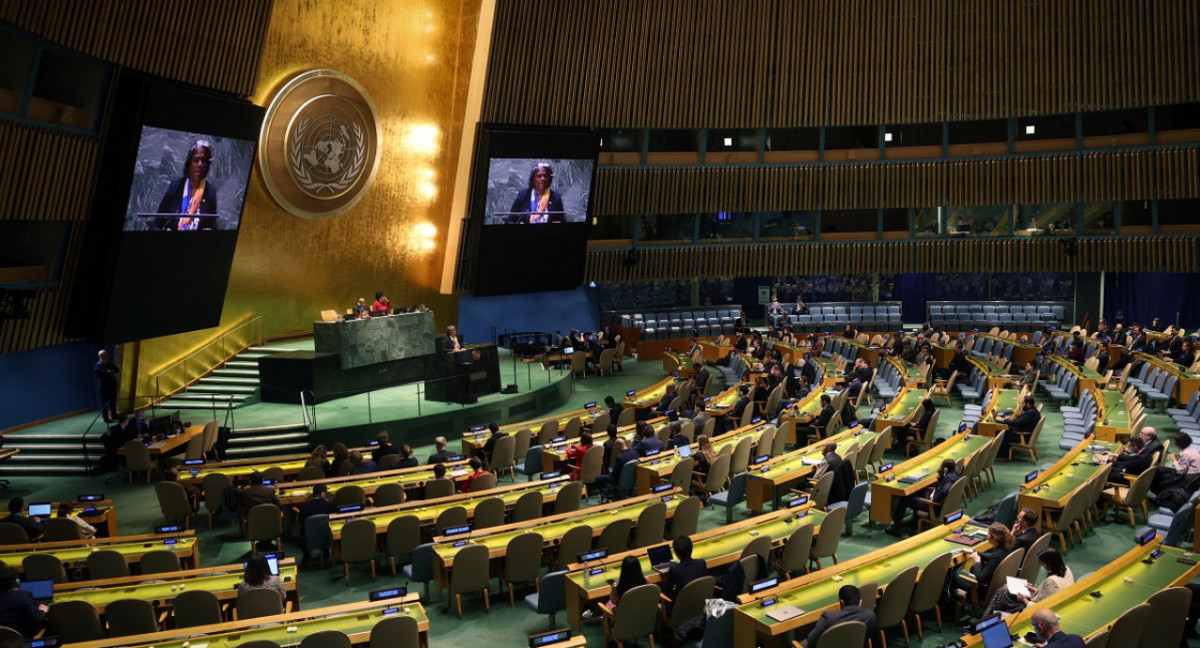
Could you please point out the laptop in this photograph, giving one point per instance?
(660, 558)
(41, 509)
(41, 590)
(568, 350)
(994, 632)
(684, 451)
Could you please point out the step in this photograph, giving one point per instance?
(259, 451)
(272, 428)
(18, 439)
(241, 440)
(206, 397)
(242, 364)
(269, 349)
(205, 387)
(234, 381)
(17, 471)
(55, 447)
(62, 459)
(194, 406)
(236, 372)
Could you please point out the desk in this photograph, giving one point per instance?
(474, 440)
(682, 361)
(716, 547)
(722, 403)
(354, 619)
(1050, 490)
(909, 372)
(221, 581)
(1112, 416)
(865, 351)
(74, 553)
(712, 352)
(1123, 583)
(997, 376)
(650, 396)
(763, 482)
(884, 492)
(409, 478)
(551, 528)
(239, 471)
(103, 515)
(816, 592)
(428, 510)
(1002, 399)
(1087, 377)
(1188, 382)
(377, 339)
(901, 410)
(1021, 354)
(791, 353)
(653, 470)
(554, 455)
(162, 447)
(805, 410)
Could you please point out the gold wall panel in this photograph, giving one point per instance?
(1137, 175)
(713, 63)
(1125, 254)
(413, 58)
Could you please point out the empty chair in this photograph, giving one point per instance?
(1127, 629)
(689, 602)
(550, 597)
(396, 631)
(729, 498)
(137, 459)
(577, 540)
(532, 464)
(75, 622)
(160, 562)
(420, 568)
(503, 457)
(130, 617)
(441, 487)
(326, 639)
(651, 525)
(173, 501)
(196, 608)
(568, 498)
(892, 607)
(255, 603)
(488, 513)
(214, 490)
(469, 575)
(522, 562)
(40, 566)
(358, 545)
(686, 518)
(388, 494)
(528, 507)
(317, 535)
(826, 543)
(455, 516)
(1168, 612)
(264, 523)
(928, 590)
(796, 551)
(349, 495)
(403, 536)
(615, 536)
(106, 563)
(59, 529)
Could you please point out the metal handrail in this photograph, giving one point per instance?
(227, 352)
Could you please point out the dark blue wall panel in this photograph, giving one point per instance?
(41, 383)
(543, 311)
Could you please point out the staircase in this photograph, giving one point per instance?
(268, 441)
(51, 454)
(236, 382)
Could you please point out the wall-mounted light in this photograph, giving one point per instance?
(1030, 129)
(728, 141)
(423, 235)
(887, 137)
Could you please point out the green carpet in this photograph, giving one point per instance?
(506, 626)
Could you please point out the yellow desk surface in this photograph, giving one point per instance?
(764, 480)
(554, 455)
(239, 471)
(653, 470)
(889, 485)
(650, 396)
(588, 583)
(817, 591)
(164, 446)
(415, 477)
(1188, 382)
(909, 373)
(1112, 416)
(75, 552)
(1087, 377)
(901, 409)
(805, 410)
(1051, 488)
(722, 403)
(1123, 583)
(162, 590)
(1002, 399)
(474, 440)
(712, 352)
(428, 510)
(551, 528)
(997, 377)
(354, 619)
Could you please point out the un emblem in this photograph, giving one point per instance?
(320, 144)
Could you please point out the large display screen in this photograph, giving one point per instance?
(530, 209)
(185, 181)
(529, 191)
(174, 171)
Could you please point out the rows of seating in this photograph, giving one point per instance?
(874, 316)
(664, 325)
(1154, 383)
(1021, 317)
(988, 347)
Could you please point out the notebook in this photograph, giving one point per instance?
(785, 612)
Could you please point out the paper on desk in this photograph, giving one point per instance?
(1017, 586)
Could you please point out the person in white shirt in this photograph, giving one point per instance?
(1058, 577)
(66, 510)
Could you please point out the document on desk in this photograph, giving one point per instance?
(1017, 586)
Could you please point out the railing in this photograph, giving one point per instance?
(178, 376)
(219, 404)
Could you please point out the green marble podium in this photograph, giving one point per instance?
(359, 343)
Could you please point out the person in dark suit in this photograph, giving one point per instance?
(917, 501)
(453, 341)
(804, 431)
(318, 504)
(849, 599)
(257, 493)
(1022, 423)
(1045, 624)
(538, 203)
(739, 407)
(647, 441)
(903, 433)
(685, 571)
(360, 466)
(106, 375)
(18, 610)
(384, 448)
(1025, 529)
(191, 195)
(361, 309)
(441, 454)
(669, 396)
(490, 446)
(700, 417)
(16, 515)
(407, 460)
(983, 565)
(1134, 461)
(614, 409)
